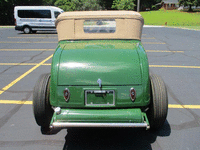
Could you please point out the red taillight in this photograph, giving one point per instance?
(66, 94)
(132, 94)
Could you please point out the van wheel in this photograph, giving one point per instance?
(42, 109)
(27, 30)
(158, 108)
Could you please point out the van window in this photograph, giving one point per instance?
(34, 13)
(56, 13)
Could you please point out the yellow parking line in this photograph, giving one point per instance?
(164, 51)
(15, 64)
(184, 106)
(27, 49)
(30, 102)
(171, 66)
(15, 102)
(23, 75)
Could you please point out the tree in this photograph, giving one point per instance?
(7, 6)
(148, 4)
(91, 5)
(107, 4)
(130, 4)
(124, 4)
(66, 5)
(48, 2)
(71, 5)
(7, 9)
(189, 3)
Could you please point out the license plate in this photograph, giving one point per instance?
(99, 97)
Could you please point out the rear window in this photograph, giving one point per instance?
(99, 26)
(34, 13)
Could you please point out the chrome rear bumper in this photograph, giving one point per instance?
(61, 125)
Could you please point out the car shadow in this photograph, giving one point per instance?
(112, 139)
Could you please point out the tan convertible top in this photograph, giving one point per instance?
(71, 25)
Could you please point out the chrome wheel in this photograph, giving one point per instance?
(27, 30)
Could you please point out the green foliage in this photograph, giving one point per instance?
(189, 3)
(107, 4)
(48, 2)
(91, 5)
(153, 7)
(148, 3)
(71, 5)
(131, 4)
(123, 4)
(66, 5)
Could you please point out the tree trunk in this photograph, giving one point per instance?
(190, 8)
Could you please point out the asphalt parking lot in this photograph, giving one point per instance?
(173, 54)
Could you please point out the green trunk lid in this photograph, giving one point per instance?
(85, 63)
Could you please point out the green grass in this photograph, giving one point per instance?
(7, 26)
(171, 18)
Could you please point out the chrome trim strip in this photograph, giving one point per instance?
(44, 29)
(55, 125)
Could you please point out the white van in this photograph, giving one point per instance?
(36, 18)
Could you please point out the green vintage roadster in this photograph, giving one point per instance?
(99, 76)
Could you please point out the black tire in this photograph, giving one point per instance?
(158, 108)
(42, 109)
(48, 131)
(27, 30)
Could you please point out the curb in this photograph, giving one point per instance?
(183, 28)
(153, 26)
(176, 27)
